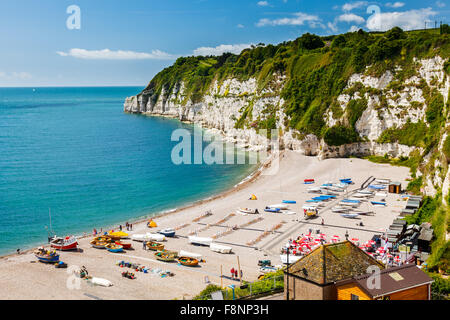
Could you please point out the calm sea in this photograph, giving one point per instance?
(74, 151)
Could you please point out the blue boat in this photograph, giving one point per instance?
(169, 232)
(378, 203)
(327, 185)
(351, 201)
(47, 256)
(376, 187)
(289, 201)
(314, 200)
(268, 209)
(309, 182)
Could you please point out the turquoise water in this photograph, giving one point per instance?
(73, 150)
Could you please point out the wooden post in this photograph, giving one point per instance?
(221, 277)
(239, 268)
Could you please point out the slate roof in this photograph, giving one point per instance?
(392, 280)
(333, 262)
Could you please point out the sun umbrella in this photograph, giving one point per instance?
(355, 239)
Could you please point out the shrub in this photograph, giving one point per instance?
(339, 135)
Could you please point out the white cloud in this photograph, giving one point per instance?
(107, 54)
(395, 4)
(407, 20)
(353, 28)
(332, 26)
(354, 5)
(298, 19)
(15, 75)
(440, 4)
(217, 51)
(263, 3)
(350, 17)
(240, 26)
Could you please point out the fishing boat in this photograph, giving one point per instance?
(46, 256)
(348, 204)
(155, 246)
(340, 209)
(349, 215)
(364, 213)
(288, 212)
(268, 209)
(188, 261)
(351, 201)
(168, 232)
(280, 206)
(112, 247)
(125, 245)
(314, 190)
(64, 244)
(201, 241)
(98, 244)
(308, 180)
(165, 256)
(117, 235)
(219, 248)
(289, 201)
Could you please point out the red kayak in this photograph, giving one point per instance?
(124, 245)
(64, 244)
(309, 180)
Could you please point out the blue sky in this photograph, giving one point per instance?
(127, 42)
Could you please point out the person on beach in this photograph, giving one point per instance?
(18, 251)
(128, 226)
(232, 273)
(242, 274)
(144, 245)
(131, 226)
(322, 221)
(236, 273)
(120, 227)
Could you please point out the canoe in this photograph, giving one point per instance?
(168, 232)
(289, 201)
(154, 246)
(267, 209)
(125, 245)
(100, 282)
(46, 256)
(112, 247)
(378, 203)
(200, 241)
(188, 261)
(246, 210)
(64, 244)
(190, 254)
(219, 248)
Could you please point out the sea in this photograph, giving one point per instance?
(71, 160)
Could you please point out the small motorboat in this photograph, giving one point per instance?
(155, 246)
(349, 215)
(46, 256)
(112, 247)
(247, 211)
(168, 232)
(188, 261)
(289, 201)
(377, 203)
(125, 245)
(165, 256)
(64, 244)
(281, 206)
(148, 237)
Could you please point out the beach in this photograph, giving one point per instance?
(23, 277)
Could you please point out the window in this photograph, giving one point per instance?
(355, 297)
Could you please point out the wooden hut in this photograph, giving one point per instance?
(395, 187)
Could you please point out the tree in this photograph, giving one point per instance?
(310, 41)
(339, 42)
(395, 33)
(445, 29)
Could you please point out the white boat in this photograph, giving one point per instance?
(202, 241)
(349, 215)
(363, 213)
(288, 212)
(100, 282)
(219, 248)
(340, 209)
(292, 258)
(148, 237)
(361, 195)
(383, 181)
(281, 206)
(190, 255)
(368, 192)
(314, 190)
(349, 204)
(381, 194)
(246, 210)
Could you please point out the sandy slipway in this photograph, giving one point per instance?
(24, 278)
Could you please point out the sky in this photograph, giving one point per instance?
(125, 43)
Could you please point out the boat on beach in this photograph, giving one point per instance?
(188, 261)
(148, 237)
(125, 245)
(219, 248)
(64, 244)
(269, 209)
(349, 215)
(378, 203)
(155, 246)
(168, 232)
(289, 201)
(247, 211)
(46, 256)
(190, 254)
(99, 244)
(112, 247)
(165, 256)
(281, 206)
(201, 241)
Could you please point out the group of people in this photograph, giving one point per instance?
(129, 227)
(234, 273)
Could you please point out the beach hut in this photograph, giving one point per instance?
(395, 187)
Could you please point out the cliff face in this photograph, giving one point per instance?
(388, 112)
